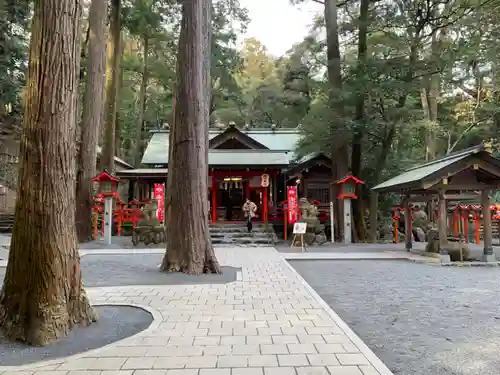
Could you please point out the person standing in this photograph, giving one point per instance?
(249, 209)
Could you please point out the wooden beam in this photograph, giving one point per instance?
(488, 255)
(408, 226)
(442, 227)
(373, 216)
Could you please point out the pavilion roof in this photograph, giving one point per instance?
(425, 176)
(280, 148)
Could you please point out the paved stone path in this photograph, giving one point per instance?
(419, 319)
(269, 323)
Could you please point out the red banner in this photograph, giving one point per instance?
(292, 204)
(160, 197)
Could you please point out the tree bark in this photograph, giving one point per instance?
(142, 103)
(112, 70)
(360, 118)
(118, 138)
(93, 108)
(189, 247)
(42, 297)
(340, 157)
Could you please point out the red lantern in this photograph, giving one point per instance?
(108, 184)
(348, 186)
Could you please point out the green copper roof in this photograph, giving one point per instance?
(280, 142)
(417, 174)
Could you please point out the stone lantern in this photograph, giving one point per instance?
(108, 188)
(347, 192)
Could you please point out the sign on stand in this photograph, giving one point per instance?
(299, 230)
(160, 198)
(292, 204)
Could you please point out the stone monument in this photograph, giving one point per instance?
(149, 229)
(315, 234)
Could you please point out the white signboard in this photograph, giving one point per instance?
(299, 228)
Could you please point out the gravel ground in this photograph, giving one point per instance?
(139, 269)
(419, 319)
(115, 323)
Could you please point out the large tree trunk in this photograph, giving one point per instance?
(340, 157)
(360, 118)
(189, 247)
(119, 84)
(107, 159)
(142, 103)
(93, 106)
(42, 297)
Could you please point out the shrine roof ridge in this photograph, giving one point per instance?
(295, 130)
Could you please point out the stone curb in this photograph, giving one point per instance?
(157, 319)
(363, 348)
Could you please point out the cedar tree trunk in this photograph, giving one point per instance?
(93, 108)
(358, 214)
(340, 157)
(142, 102)
(42, 297)
(189, 247)
(107, 160)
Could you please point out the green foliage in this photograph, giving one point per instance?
(14, 17)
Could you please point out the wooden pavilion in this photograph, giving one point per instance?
(474, 169)
(238, 158)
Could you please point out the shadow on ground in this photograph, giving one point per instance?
(142, 269)
(115, 323)
(139, 269)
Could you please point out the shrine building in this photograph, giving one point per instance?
(238, 159)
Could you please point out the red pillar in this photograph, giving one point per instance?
(214, 199)
(264, 203)
(247, 189)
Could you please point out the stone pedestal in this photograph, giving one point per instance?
(108, 220)
(347, 221)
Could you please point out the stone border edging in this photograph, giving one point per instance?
(157, 319)
(364, 349)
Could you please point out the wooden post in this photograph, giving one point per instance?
(214, 199)
(442, 227)
(285, 224)
(396, 225)
(488, 255)
(455, 222)
(408, 233)
(131, 188)
(465, 216)
(247, 189)
(476, 228)
(264, 203)
(373, 216)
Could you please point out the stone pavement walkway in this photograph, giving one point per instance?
(268, 323)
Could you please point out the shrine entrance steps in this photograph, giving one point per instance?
(6, 223)
(236, 234)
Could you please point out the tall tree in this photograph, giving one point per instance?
(189, 247)
(93, 106)
(112, 77)
(42, 296)
(340, 161)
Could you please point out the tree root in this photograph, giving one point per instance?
(51, 322)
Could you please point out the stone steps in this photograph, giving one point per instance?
(6, 223)
(237, 234)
